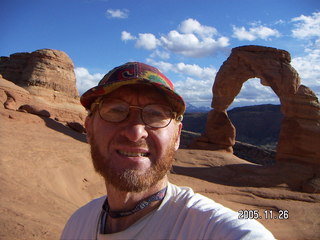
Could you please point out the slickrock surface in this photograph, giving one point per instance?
(46, 171)
(11, 95)
(46, 174)
(299, 138)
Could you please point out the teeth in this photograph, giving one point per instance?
(133, 154)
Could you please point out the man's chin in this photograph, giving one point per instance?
(131, 179)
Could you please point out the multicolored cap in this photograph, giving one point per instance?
(134, 73)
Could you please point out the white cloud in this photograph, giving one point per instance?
(254, 93)
(197, 92)
(160, 54)
(280, 22)
(196, 71)
(307, 26)
(308, 67)
(193, 26)
(191, 45)
(191, 39)
(194, 83)
(117, 13)
(86, 80)
(178, 41)
(163, 66)
(147, 41)
(262, 32)
(242, 34)
(125, 36)
(191, 70)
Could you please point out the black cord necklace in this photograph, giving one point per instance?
(141, 205)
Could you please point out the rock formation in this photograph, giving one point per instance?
(299, 138)
(11, 95)
(42, 82)
(44, 163)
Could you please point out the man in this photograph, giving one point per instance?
(133, 128)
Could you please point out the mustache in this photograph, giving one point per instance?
(142, 143)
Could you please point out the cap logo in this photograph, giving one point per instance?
(127, 74)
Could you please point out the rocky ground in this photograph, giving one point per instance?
(46, 174)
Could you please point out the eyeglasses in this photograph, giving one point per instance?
(152, 115)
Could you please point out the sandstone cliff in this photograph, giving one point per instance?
(42, 82)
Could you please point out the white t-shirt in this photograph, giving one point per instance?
(181, 215)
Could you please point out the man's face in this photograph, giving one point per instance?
(130, 155)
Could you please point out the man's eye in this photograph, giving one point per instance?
(117, 110)
(112, 111)
(156, 111)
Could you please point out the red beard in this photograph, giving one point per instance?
(129, 180)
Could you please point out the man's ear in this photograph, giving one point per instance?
(177, 143)
(88, 126)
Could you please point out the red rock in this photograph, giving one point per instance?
(220, 133)
(11, 95)
(48, 78)
(34, 110)
(299, 138)
(76, 126)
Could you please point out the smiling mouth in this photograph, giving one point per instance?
(133, 154)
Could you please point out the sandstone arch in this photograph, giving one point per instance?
(299, 138)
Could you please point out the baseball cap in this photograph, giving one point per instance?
(134, 73)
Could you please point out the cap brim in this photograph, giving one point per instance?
(92, 94)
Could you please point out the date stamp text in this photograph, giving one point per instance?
(266, 214)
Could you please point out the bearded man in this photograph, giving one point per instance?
(133, 128)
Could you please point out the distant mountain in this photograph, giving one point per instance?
(257, 125)
(193, 109)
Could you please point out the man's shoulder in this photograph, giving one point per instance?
(92, 207)
(83, 221)
(185, 200)
(199, 206)
(188, 198)
(97, 201)
(212, 218)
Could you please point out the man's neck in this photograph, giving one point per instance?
(126, 201)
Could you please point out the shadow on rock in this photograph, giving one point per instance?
(247, 175)
(64, 129)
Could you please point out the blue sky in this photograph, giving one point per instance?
(187, 39)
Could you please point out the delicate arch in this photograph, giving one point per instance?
(299, 138)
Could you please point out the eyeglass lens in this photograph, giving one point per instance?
(153, 115)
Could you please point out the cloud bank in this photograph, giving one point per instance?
(192, 40)
(307, 28)
(253, 33)
(86, 80)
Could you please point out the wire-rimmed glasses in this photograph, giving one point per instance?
(152, 115)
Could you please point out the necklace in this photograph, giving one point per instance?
(141, 205)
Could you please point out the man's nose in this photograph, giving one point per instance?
(134, 128)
